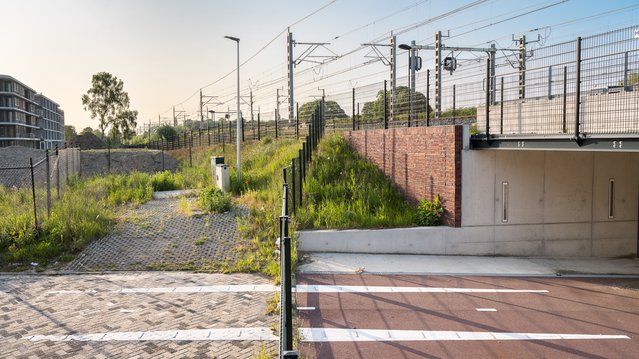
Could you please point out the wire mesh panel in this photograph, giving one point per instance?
(609, 101)
(371, 106)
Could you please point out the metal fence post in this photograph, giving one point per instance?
(385, 108)
(109, 158)
(286, 331)
(57, 167)
(259, 136)
(501, 107)
(427, 97)
(79, 162)
(293, 175)
(297, 121)
(563, 112)
(162, 150)
(487, 98)
(454, 112)
(577, 88)
(353, 108)
(48, 184)
(190, 151)
(35, 211)
(66, 160)
(276, 127)
(301, 176)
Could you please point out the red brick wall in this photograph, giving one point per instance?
(421, 161)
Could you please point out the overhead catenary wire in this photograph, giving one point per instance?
(264, 86)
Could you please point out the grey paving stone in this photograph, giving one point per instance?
(156, 236)
(37, 308)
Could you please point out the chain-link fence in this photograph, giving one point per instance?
(30, 186)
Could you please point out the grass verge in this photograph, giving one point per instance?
(86, 210)
(344, 190)
(260, 191)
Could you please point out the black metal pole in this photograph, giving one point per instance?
(297, 120)
(427, 97)
(108, 159)
(285, 265)
(353, 108)
(190, 152)
(57, 170)
(454, 113)
(259, 137)
(501, 107)
(487, 99)
(385, 108)
(293, 180)
(35, 211)
(563, 115)
(48, 185)
(301, 174)
(577, 88)
(162, 149)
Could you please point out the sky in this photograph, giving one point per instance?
(166, 51)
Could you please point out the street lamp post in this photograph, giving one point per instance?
(412, 66)
(239, 114)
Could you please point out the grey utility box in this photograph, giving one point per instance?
(222, 177)
(215, 160)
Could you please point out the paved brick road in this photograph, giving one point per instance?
(448, 324)
(157, 236)
(86, 303)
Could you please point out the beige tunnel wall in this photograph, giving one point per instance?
(557, 202)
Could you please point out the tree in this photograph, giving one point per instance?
(69, 133)
(107, 101)
(86, 130)
(124, 124)
(374, 110)
(166, 131)
(332, 108)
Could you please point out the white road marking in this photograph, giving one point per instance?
(214, 334)
(305, 308)
(303, 288)
(382, 289)
(382, 335)
(486, 309)
(127, 310)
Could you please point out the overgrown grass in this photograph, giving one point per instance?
(85, 211)
(260, 191)
(345, 191)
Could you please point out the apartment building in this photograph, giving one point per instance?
(27, 118)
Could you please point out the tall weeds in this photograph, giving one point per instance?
(345, 191)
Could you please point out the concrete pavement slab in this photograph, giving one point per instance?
(464, 265)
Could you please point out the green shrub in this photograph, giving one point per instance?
(429, 213)
(167, 181)
(213, 200)
(266, 140)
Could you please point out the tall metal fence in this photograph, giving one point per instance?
(579, 88)
(39, 182)
(292, 198)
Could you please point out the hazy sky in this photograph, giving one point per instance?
(165, 51)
